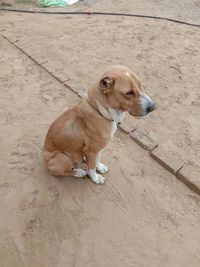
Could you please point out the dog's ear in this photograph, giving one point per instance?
(106, 84)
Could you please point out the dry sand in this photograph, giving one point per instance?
(142, 216)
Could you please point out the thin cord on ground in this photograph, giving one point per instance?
(97, 13)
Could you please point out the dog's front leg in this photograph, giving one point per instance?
(102, 168)
(91, 161)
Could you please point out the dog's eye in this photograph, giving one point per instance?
(131, 93)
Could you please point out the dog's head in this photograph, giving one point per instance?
(122, 89)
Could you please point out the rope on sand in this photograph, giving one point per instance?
(97, 13)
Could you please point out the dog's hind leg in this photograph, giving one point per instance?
(60, 164)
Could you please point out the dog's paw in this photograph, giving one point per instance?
(96, 178)
(79, 173)
(102, 168)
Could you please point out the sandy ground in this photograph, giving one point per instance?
(142, 216)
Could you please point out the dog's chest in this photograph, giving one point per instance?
(113, 128)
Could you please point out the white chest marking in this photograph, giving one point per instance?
(114, 128)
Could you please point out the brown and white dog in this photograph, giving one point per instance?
(82, 131)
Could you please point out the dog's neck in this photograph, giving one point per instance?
(108, 113)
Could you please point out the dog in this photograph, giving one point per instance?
(83, 130)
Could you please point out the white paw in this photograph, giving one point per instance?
(102, 168)
(96, 178)
(79, 173)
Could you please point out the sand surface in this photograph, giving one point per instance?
(142, 216)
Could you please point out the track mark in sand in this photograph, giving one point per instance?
(32, 225)
(6, 188)
(31, 202)
(25, 155)
(114, 195)
(54, 193)
(126, 177)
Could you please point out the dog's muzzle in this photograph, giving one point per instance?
(147, 104)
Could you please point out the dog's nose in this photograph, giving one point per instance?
(150, 107)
